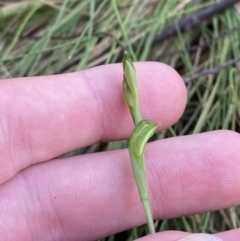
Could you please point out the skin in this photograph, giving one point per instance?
(91, 196)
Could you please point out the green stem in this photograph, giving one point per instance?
(138, 117)
(148, 213)
(141, 181)
(147, 206)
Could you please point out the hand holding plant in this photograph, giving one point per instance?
(85, 197)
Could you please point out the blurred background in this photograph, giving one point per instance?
(200, 39)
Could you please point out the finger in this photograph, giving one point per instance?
(166, 236)
(44, 117)
(232, 235)
(95, 195)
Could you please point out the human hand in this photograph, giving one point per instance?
(92, 196)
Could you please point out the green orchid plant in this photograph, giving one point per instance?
(143, 131)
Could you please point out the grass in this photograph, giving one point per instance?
(57, 36)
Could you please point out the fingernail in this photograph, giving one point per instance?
(200, 237)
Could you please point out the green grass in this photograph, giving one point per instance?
(64, 36)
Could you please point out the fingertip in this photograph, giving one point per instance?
(165, 235)
(180, 236)
(163, 94)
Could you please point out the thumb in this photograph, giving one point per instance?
(200, 237)
(179, 236)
